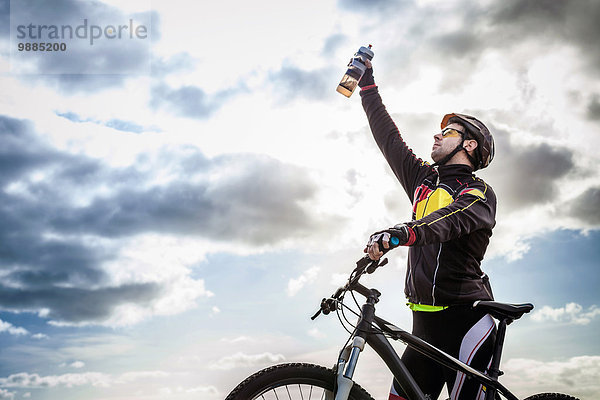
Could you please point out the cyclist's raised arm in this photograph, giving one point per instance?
(408, 168)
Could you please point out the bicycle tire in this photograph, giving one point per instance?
(551, 396)
(306, 381)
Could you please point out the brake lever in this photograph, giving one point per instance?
(376, 264)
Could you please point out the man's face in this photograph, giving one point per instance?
(443, 145)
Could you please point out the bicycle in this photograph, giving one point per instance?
(307, 381)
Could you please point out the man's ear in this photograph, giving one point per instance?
(470, 145)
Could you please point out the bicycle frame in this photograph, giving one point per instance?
(365, 333)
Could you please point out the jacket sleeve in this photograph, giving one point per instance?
(406, 166)
(473, 209)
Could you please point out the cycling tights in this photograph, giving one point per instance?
(460, 331)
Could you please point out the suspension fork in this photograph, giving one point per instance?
(349, 358)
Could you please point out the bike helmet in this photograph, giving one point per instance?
(484, 154)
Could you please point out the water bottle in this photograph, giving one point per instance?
(355, 71)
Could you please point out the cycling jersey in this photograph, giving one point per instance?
(452, 218)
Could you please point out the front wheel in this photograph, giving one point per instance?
(293, 382)
(551, 396)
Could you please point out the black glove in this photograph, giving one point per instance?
(367, 78)
(396, 236)
(399, 235)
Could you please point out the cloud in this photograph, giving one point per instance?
(333, 43)
(77, 364)
(179, 62)
(571, 313)
(570, 21)
(545, 166)
(25, 380)
(593, 108)
(585, 206)
(292, 82)
(296, 284)
(35, 381)
(381, 6)
(190, 101)
(6, 394)
(577, 376)
(246, 360)
(316, 333)
(115, 123)
(11, 329)
(58, 232)
(88, 65)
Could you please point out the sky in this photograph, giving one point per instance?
(175, 201)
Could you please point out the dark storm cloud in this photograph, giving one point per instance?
(506, 24)
(256, 205)
(593, 108)
(534, 174)
(47, 258)
(586, 206)
(72, 304)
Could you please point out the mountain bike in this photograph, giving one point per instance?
(308, 381)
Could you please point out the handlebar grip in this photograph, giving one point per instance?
(393, 242)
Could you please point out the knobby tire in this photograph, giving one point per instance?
(551, 396)
(302, 381)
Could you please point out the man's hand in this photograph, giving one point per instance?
(379, 242)
(367, 78)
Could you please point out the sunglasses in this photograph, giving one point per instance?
(449, 132)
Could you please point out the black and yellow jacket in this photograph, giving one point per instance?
(452, 219)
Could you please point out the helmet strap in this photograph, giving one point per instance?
(448, 156)
(453, 152)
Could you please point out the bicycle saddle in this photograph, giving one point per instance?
(503, 310)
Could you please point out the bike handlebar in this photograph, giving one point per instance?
(364, 265)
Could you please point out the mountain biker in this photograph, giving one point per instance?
(452, 220)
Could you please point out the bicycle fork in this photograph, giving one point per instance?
(349, 357)
(346, 366)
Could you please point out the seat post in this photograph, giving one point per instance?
(494, 370)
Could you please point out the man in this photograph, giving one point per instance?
(452, 220)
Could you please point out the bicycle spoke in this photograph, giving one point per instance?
(295, 391)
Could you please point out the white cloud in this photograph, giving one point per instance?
(571, 313)
(246, 360)
(5, 394)
(239, 339)
(316, 333)
(11, 329)
(203, 390)
(137, 375)
(77, 364)
(39, 336)
(577, 376)
(95, 379)
(295, 285)
(27, 380)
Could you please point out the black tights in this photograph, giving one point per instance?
(463, 333)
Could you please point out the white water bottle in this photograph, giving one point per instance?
(355, 71)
